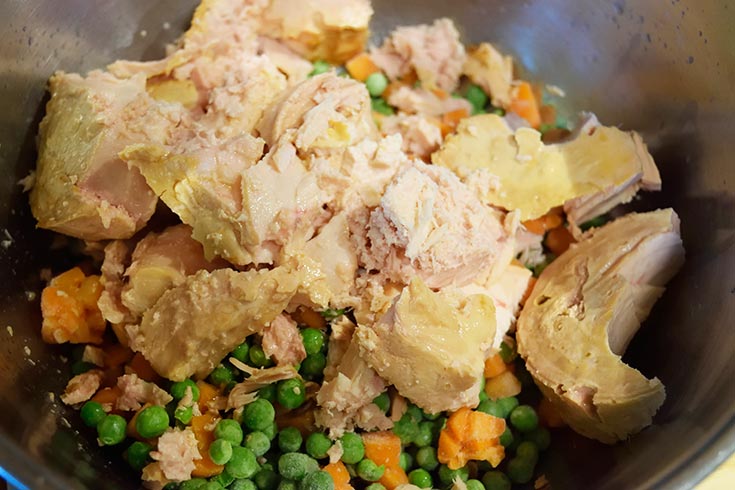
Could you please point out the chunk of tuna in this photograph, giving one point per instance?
(82, 188)
(332, 30)
(421, 137)
(431, 346)
(583, 312)
(434, 52)
(136, 392)
(425, 102)
(193, 326)
(282, 341)
(589, 174)
(430, 225)
(176, 452)
(82, 387)
(492, 71)
(161, 261)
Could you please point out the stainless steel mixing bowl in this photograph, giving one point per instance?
(664, 68)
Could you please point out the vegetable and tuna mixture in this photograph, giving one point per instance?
(320, 264)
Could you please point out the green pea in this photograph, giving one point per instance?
(425, 434)
(497, 111)
(313, 340)
(152, 422)
(369, 471)
(426, 458)
(295, 466)
(266, 479)
(432, 416)
(220, 451)
(317, 480)
(376, 84)
(496, 480)
(375, 486)
(528, 451)
(380, 106)
(259, 415)
(178, 389)
(506, 439)
(289, 440)
(524, 418)
(193, 484)
(241, 352)
(483, 396)
(382, 401)
(420, 478)
(508, 351)
(476, 96)
(184, 414)
(595, 222)
(258, 357)
(243, 463)
(507, 405)
(111, 430)
(474, 485)
(317, 445)
(229, 430)
(271, 431)
(406, 428)
(243, 484)
(539, 436)
(268, 392)
(92, 413)
(405, 461)
(81, 367)
(446, 475)
(213, 485)
(291, 393)
(287, 485)
(491, 407)
(331, 314)
(353, 450)
(221, 376)
(225, 479)
(258, 443)
(520, 470)
(320, 66)
(137, 455)
(313, 366)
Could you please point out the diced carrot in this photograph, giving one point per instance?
(443, 95)
(502, 386)
(529, 290)
(200, 425)
(131, 430)
(494, 365)
(547, 222)
(384, 448)
(524, 104)
(451, 119)
(361, 67)
(471, 435)
(116, 355)
(549, 415)
(301, 419)
(547, 113)
(69, 308)
(140, 366)
(207, 393)
(340, 475)
(393, 477)
(309, 317)
(410, 78)
(558, 240)
(107, 395)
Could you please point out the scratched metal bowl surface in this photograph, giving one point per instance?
(666, 69)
